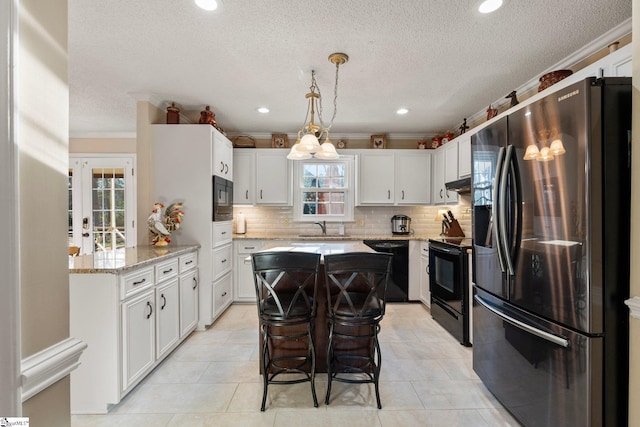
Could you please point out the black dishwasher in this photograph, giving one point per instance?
(398, 287)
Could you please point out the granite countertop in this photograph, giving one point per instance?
(321, 248)
(332, 237)
(121, 260)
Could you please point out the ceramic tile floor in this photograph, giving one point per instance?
(212, 380)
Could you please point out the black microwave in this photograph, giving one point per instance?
(222, 199)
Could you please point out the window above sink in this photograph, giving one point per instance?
(324, 190)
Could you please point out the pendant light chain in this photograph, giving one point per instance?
(335, 97)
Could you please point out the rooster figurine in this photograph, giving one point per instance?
(161, 224)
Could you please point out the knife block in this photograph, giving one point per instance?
(454, 229)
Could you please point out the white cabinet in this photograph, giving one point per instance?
(184, 158)
(425, 293)
(376, 178)
(188, 293)
(464, 155)
(131, 320)
(223, 293)
(445, 169)
(273, 178)
(167, 317)
(414, 270)
(222, 157)
(244, 289)
(413, 178)
(394, 177)
(138, 338)
(244, 182)
(263, 177)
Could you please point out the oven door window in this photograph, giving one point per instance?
(445, 276)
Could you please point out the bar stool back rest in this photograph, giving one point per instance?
(286, 283)
(356, 287)
(357, 283)
(286, 287)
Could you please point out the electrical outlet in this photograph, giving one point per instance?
(285, 221)
(360, 222)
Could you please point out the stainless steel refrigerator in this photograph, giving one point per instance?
(551, 206)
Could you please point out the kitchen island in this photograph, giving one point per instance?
(321, 325)
(132, 307)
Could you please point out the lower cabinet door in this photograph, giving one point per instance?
(168, 317)
(188, 302)
(138, 337)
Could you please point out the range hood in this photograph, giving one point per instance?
(462, 186)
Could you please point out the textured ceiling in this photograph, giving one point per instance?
(439, 58)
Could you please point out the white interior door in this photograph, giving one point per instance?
(101, 203)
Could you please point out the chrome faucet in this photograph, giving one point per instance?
(322, 225)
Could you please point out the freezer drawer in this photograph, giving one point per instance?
(545, 375)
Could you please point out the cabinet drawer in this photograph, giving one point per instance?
(222, 261)
(166, 270)
(249, 247)
(188, 261)
(222, 232)
(222, 292)
(136, 281)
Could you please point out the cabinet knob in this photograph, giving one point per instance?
(195, 283)
(389, 194)
(167, 271)
(402, 194)
(150, 309)
(246, 194)
(139, 281)
(164, 302)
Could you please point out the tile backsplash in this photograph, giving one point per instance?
(369, 221)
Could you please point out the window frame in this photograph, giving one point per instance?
(349, 190)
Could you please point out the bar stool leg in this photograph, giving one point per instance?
(312, 353)
(329, 359)
(377, 365)
(266, 361)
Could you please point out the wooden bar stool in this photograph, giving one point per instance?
(356, 286)
(286, 286)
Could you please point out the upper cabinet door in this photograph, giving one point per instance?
(464, 156)
(413, 178)
(222, 156)
(273, 178)
(376, 178)
(244, 187)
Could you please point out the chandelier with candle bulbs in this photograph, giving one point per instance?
(308, 143)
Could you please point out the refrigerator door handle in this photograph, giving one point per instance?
(555, 339)
(516, 206)
(495, 208)
(502, 209)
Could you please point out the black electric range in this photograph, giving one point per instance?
(450, 286)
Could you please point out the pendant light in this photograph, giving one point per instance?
(308, 142)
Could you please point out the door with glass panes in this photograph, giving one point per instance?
(101, 203)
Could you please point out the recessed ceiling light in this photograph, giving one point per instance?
(402, 111)
(488, 6)
(207, 4)
(263, 110)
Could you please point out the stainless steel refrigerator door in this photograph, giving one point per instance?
(487, 150)
(545, 375)
(551, 257)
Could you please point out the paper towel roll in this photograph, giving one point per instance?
(240, 224)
